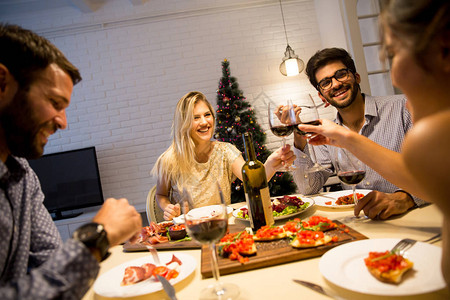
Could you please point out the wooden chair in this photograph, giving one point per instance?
(154, 213)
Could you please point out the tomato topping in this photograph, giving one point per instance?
(293, 226)
(348, 199)
(235, 244)
(178, 227)
(309, 237)
(172, 274)
(160, 270)
(385, 261)
(269, 231)
(319, 223)
(328, 203)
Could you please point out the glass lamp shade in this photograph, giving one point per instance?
(291, 64)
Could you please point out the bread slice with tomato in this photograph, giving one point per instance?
(269, 233)
(387, 266)
(237, 245)
(309, 239)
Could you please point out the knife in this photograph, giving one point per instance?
(170, 290)
(319, 289)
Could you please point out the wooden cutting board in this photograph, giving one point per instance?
(128, 247)
(276, 252)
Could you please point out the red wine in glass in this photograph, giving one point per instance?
(282, 131)
(352, 177)
(208, 231)
(207, 225)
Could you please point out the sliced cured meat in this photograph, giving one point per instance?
(133, 275)
(148, 268)
(174, 259)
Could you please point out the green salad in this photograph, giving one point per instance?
(281, 207)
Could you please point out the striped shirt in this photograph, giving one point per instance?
(386, 122)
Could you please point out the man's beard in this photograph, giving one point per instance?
(354, 88)
(21, 128)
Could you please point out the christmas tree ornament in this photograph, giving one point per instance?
(237, 119)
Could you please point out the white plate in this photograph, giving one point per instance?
(108, 284)
(322, 198)
(344, 266)
(304, 199)
(202, 211)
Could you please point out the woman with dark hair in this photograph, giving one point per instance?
(416, 38)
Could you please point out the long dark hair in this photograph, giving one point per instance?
(416, 22)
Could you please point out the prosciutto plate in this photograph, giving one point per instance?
(108, 284)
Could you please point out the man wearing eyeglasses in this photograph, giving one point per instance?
(385, 120)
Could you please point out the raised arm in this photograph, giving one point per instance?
(387, 163)
(273, 163)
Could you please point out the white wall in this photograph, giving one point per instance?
(137, 61)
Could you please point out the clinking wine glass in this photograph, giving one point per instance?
(310, 115)
(350, 171)
(208, 225)
(282, 123)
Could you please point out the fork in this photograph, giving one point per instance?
(402, 246)
(154, 253)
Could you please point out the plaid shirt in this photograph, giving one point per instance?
(386, 122)
(34, 263)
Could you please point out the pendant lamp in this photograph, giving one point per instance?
(291, 64)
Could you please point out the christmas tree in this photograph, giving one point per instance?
(236, 116)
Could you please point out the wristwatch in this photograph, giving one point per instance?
(94, 237)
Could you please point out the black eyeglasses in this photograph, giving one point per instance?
(340, 75)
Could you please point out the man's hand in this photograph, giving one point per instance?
(171, 211)
(379, 205)
(120, 219)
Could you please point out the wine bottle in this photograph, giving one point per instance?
(256, 188)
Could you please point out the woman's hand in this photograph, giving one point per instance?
(279, 158)
(327, 133)
(171, 211)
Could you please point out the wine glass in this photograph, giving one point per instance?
(310, 115)
(207, 225)
(349, 169)
(281, 123)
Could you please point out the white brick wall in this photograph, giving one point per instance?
(134, 71)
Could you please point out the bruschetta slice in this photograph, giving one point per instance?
(269, 233)
(387, 266)
(309, 239)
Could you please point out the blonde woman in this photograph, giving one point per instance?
(195, 159)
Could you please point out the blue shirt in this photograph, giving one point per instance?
(386, 122)
(34, 263)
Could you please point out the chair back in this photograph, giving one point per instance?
(154, 213)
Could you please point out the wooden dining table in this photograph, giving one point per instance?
(276, 282)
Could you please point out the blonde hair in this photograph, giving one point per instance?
(176, 162)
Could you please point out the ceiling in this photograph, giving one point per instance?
(26, 6)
